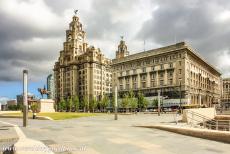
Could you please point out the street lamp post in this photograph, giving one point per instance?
(180, 109)
(25, 103)
(115, 115)
(159, 103)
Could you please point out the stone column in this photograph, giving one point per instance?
(166, 78)
(148, 80)
(138, 81)
(200, 99)
(157, 79)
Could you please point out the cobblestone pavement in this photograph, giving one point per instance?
(102, 134)
(8, 137)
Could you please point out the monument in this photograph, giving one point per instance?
(45, 105)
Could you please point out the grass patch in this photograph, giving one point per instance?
(57, 115)
(67, 115)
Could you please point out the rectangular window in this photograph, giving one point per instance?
(161, 82)
(134, 71)
(143, 77)
(153, 76)
(152, 83)
(143, 84)
(144, 70)
(162, 66)
(127, 86)
(135, 85)
(134, 79)
(171, 81)
(161, 74)
(121, 87)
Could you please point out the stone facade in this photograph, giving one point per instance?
(81, 70)
(174, 70)
(226, 90)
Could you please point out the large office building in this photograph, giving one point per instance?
(50, 86)
(81, 70)
(177, 71)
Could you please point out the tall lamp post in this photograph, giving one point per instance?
(25, 103)
(159, 103)
(115, 115)
(180, 109)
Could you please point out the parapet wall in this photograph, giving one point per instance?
(207, 112)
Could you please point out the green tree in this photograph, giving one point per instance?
(76, 103)
(69, 104)
(145, 103)
(140, 101)
(132, 101)
(85, 104)
(104, 102)
(34, 107)
(155, 103)
(62, 105)
(93, 104)
(125, 102)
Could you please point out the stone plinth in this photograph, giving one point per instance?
(46, 105)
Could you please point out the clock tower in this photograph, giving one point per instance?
(75, 38)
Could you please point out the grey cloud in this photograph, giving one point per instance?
(191, 21)
(104, 21)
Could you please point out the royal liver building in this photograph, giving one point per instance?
(81, 70)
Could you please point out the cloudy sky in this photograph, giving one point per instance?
(32, 32)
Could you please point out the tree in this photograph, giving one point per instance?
(132, 100)
(125, 102)
(85, 104)
(69, 104)
(104, 102)
(140, 101)
(93, 104)
(145, 103)
(34, 107)
(62, 105)
(155, 103)
(76, 103)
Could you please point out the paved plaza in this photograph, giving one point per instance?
(102, 134)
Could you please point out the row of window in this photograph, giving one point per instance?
(144, 84)
(148, 61)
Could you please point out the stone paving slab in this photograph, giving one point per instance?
(221, 136)
(8, 137)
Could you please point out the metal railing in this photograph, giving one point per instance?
(222, 111)
(198, 120)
